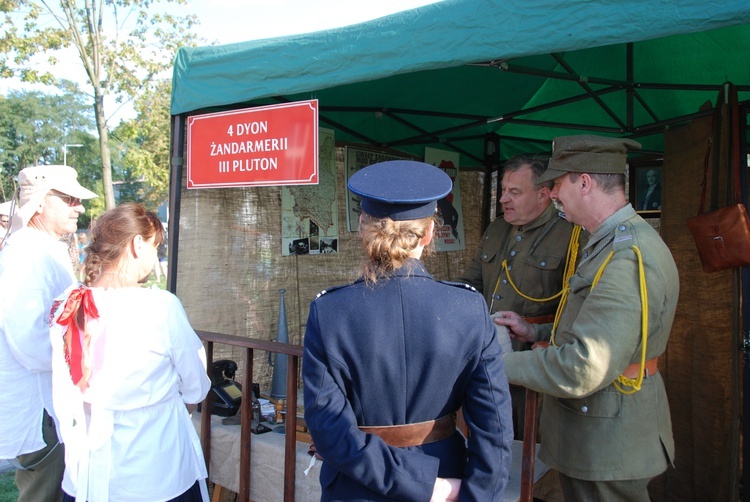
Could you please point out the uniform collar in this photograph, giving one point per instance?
(411, 268)
(608, 226)
(547, 215)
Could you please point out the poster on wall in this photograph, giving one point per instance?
(355, 159)
(309, 214)
(449, 234)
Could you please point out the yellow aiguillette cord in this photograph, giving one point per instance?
(570, 268)
(634, 383)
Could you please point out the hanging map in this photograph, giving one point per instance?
(309, 213)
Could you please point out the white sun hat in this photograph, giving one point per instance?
(34, 183)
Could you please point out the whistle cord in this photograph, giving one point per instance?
(634, 383)
(570, 267)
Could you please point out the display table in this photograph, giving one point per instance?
(267, 465)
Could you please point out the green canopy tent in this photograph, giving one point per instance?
(463, 75)
(448, 73)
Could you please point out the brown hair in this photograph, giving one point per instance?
(387, 243)
(110, 234)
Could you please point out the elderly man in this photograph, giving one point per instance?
(5, 213)
(34, 269)
(605, 421)
(522, 258)
(5, 208)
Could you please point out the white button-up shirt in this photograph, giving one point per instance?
(34, 269)
(129, 436)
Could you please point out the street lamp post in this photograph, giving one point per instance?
(65, 151)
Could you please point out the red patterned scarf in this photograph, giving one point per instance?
(75, 343)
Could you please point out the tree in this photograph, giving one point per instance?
(144, 148)
(123, 45)
(33, 129)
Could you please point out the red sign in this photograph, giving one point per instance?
(262, 146)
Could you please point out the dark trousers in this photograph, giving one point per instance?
(41, 472)
(579, 490)
(192, 495)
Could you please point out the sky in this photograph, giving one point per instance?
(230, 21)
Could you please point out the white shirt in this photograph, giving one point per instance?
(34, 269)
(146, 363)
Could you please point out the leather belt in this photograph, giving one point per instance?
(650, 369)
(542, 319)
(415, 434)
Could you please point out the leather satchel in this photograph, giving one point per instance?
(722, 236)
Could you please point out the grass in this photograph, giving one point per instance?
(8, 490)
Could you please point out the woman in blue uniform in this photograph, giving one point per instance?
(390, 358)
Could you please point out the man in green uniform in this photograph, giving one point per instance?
(521, 259)
(605, 421)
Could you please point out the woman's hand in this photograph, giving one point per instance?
(446, 489)
(518, 328)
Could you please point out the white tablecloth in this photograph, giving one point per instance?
(267, 465)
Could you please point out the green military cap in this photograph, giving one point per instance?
(588, 154)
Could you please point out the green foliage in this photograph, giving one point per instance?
(34, 127)
(144, 149)
(123, 46)
(8, 490)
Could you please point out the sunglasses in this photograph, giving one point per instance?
(67, 199)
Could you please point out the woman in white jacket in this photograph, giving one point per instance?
(125, 365)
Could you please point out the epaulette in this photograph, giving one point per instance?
(623, 237)
(461, 285)
(332, 288)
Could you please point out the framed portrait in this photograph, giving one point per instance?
(646, 189)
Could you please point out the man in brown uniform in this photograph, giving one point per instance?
(521, 259)
(605, 423)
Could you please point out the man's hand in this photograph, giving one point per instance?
(518, 328)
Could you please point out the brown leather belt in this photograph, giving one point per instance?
(415, 434)
(650, 369)
(542, 319)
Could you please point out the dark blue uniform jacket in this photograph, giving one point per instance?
(407, 350)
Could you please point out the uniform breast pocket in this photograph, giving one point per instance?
(541, 263)
(489, 254)
(603, 404)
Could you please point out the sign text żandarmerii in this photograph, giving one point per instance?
(262, 146)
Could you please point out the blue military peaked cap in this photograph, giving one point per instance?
(400, 189)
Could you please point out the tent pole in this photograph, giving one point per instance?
(745, 296)
(175, 181)
(589, 91)
(491, 164)
(538, 72)
(630, 91)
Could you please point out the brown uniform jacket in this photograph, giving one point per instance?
(536, 256)
(589, 429)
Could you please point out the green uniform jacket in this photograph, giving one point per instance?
(536, 258)
(589, 429)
